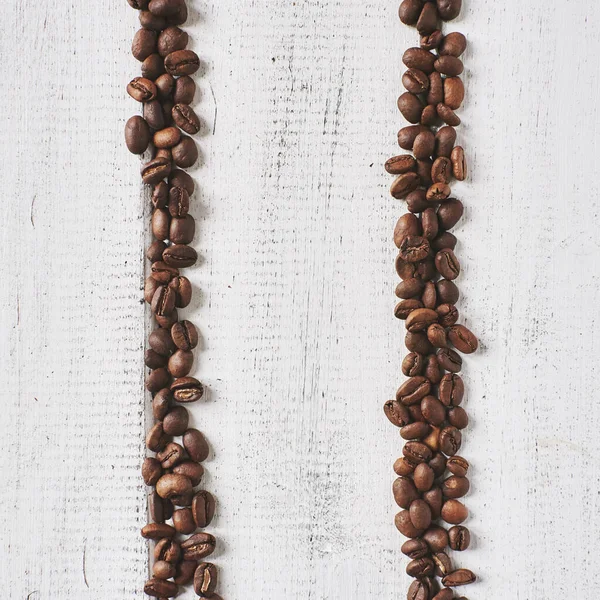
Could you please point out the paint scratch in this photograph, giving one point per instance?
(84, 573)
(216, 108)
(31, 210)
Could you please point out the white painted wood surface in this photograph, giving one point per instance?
(300, 345)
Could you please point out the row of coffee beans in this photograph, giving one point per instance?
(176, 507)
(427, 408)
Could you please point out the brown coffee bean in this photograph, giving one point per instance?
(454, 92)
(429, 295)
(179, 202)
(435, 95)
(446, 114)
(436, 538)
(429, 118)
(159, 588)
(161, 404)
(167, 550)
(450, 213)
(418, 590)
(447, 292)
(187, 389)
(455, 487)
(404, 184)
(413, 364)
(198, 546)
(444, 140)
(163, 301)
(397, 165)
(450, 440)
(421, 567)
(414, 248)
(433, 410)
(137, 135)
(151, 471)
(451, 390)
(185, 153)
(459, 163)
(434, 498)
(182, 62)
(153, 67)
(185, 335)
(436, 334)
(407, 135)
(458, 466)
(176, 421)
(185, 90)
(171, 485)
(186, 119)
(415, 81)
(144, 44)
(441, 171)
(449, 360)
(142, 89)
(462, 339)
(157, 531)
(433, 371)
(183, 500)
(417, 452)
(205, 580)
(160, 341)
(185, 572)
(150, 21)
(405, 525)
(454, 44)
(428, 19)
(448, 314)
(438, 192)
(415, 549)
(167, 138)
(411, 107)
(160, 225)
(449, 9)
(415, 412)
(404, 492)
(180, 364)
(171, 455)
(165, 84)
(163, 570)
(138, 4)
(155, 250)
(459, 538)
(432, 40)
(180, 17)
(424, 145)
(409, 288)
(447, 264)
(167, 321)
(421, 319)
(459, 577)
(407, 225)
(409, 11)
(153, 360)
(444, 240)
(172, 39)
(418, 342)
(183, 522)
(157, 379)
(448, 65)
(415, 431)
(403, 467)
(423, 477)
(417, 58)
(154, 115)
(156, 508)
(160, 195)
(190, 469)
(155, 170)
(196, 445)
(424, 171)
(165, 8)
(420, 514)
(443, 564)
(396, 413)
(444, 594)
(429, 223)
(404, 308)
(457, 417)
(413, 390)
(182, 230)
(180, 256)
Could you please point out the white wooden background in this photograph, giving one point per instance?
(296, 294)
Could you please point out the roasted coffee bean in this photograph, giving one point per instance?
(171, 40)
(449, 360)
(157, 531)
(444, 141)
(407, 135)
(205, 580)
(167, 321)
(432, 440)
(151, 471)
(185, 90)
(196, 445)
(165, 8)
(405, 492)
(419, 590)
(161, 342)
(150, 21)
(167, 138)
(185, 153)
(186, 119)
(433, 371)
(438, 192)
(458, 466)
(404, 184)
(432, 40)
(415, 412)
(184, 500)
(446, 114)
(163, 570)
(447, 264)
(153, 67)
(457, 417)
(172, 455)
(413, 390)
(429, 223)
(190, 469)
(421, 319)
(459, 577)
(454, 44)
(410, 10)
(187, 389)
(203, 508)
(155, 250)
(198, 546)
(159, 588)
(182, 62)
(161, 404)
(167, 550)
(180, 256)
(416, 202)
(185, 572)
(415, 81)
(414, 248)
(444, 240)
(183, 522)
(417, 58)
(144, 44)
(165, 84)
(142, 89)
(396, 413)
(183, 291)
(415, 431)
(154, 115)
(451, 389)
(176, 421)
(411, 107)
(150, 286)
(409, 288)
(397, 165)
(450, 440)
(161, 221)
(424, 145)
(404, 308)
(156, 508)
(436, 334)
(448, 65)
(185, 335)
(423, 477)
(171, 485)
(153, 360)
(163, 301)
(415, 549)
(403, 467)
(180, 364)
(433, 410)
(454, 92)
(434, 498)
(424, 171)
(157, 379)
(417, 452)
(429, 118)
(449, 9)
(137, 135)
(443, 564)
(421, 567)
(441, 171)
(455, 487)
(435, 95)
(459, 163)
(179, 202)
(413, 364)
(428, 19)
(448, 314)
(420, 515)
(155, 170)
(138, 4)
(436, 538)
(444, 594)
(405, 525)
(418, 342)
(447, 292)
(180, 17)
(429, 295)
(459, 538)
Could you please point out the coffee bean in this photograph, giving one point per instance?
(421, 567)
(429, 295)
(448, 314)
(418, 342)
(185, 90)
(182, 62)
(438, 192)
(396, 413)
(443, 564)
(187, 389)
(171, 40)
(429, 224)
(138, 4)
(424, 170)
(429, 118)
(161, 221)
(397, 165)
(451, 390)
(156, 508)
(141, 89)
(176, 421)
(160, 195)
(413, 364)
(414, 549)
(153, 360)
(157, 531)
(409, 288)
(404, 184)
(185, 153)
(167, 321)
(154, 115)
(157, 379)
(180, 17)
(407, 135)
(167, 138)
(447, 264)
(424, 145)
(151, 471)
(150, 21)
(186, 119)
(449, 9)
(403, 467)
(155, 250)
(436, 334)
(190, 469)
(454, 92)
(413, 390)
(405, 526)
(415, 81)
(165, 8)
(415, 431)
(421, 319)
(182, 230)
(185, 572)
(163, 301)
(183, 522)
(435, 95)
(155, 170)
(409, 11)
(407, 225)
(411, 107)
(459, 577)
(417, 452)
(448, 65)
(432, 40)
(167, 550)
(455, 487)
(449, 360)
(441, 171)
(458, 466)
(165, 84)
(159, 588)
(457, 417)
(161, 403)
(171, 485)
(179, 202)
(444, 594)
(420, 515)
(450, 441)
(433, 371)
(446, 114)
(184, 499)
(418, 590)
(415, 412)
(417, 58)
(459, 163)
(171, 455)
(459, 538)
(180, 364)
(180, 256)
(137, 135)
(161, 342)
(428, 19)
(198, 546)
(185, 335)
(436, 538)
(444, 141)
(454, 44)
(414, 248)
(163, 570)
(404, 308)
(205, 580)
(447, 292)
(144, 44)
(462, 339)
(433, 410)
(434, 498)
(196, 445)
(404, 492)
(153, 67)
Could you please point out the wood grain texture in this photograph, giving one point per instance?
(295, 296)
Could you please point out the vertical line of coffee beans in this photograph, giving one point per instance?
(176, 506)
(432, 477)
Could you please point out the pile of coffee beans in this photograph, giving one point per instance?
(432, 477)
(176, 507)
